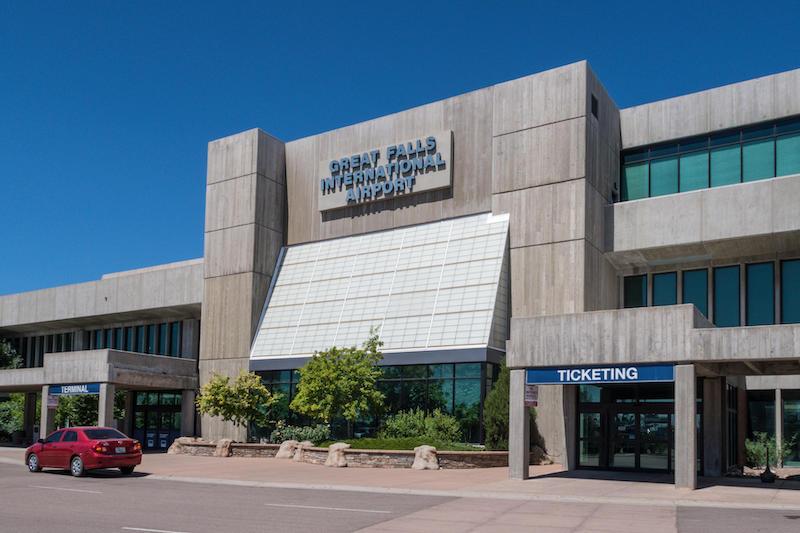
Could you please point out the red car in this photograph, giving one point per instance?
(85, 448)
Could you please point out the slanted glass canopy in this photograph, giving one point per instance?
(438, 286)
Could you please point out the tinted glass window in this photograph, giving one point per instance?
(760, 294)
(726, 166)
(162, 338)
(635, 291)
(790, 292)
(70, 436)
(694, 171)
(726, 296)
(55, 437)
(758, 161)
(635, 182)
(141, 337)
(695, 289)
(664, 176)
(130, 341)
(151, 338)
(104, 433)
(787, 152)
(175, 339)
(665, 288)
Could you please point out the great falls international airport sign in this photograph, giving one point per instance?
(379, 173)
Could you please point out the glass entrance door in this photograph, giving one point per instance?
(157, 419)
(624, 440)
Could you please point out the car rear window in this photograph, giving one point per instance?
(102, 434)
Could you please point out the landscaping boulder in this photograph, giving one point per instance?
(178, 446)
(286, 451)
(336, 455)
(223, 448)
(299, 451)
(425, 458)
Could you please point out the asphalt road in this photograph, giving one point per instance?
(107, 502)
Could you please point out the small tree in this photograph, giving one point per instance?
(9, 359)
(341, 383)
(495, 414)
(244, 400)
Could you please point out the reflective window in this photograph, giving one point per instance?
(141, 339)
(787, 152)
(635, 181)
(119, 339)
(694, 171)
(726, 166)
(726, 296)
(175, 339)
(760, 280)
(109, 342)
(664, 176)
(162, 338)
(635, 291)
(695, 289)
(130, 339)
(152, 331)
(790, 291)
(665, 288)
(758, 160)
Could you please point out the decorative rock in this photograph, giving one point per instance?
(425, 458)
(336, 455)
(178, 446)
(223, 448)
(286, 451)
(299, 451)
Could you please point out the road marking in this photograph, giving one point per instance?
(327, 508)
(68, 490)
(151, 530)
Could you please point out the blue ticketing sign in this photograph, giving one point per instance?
(75, 389)
(601, 374)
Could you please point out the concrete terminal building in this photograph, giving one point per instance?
(638, 269)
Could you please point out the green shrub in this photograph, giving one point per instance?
(11, 414)
(495, 415)
(403, 444)
(756, 449)
(315, 434)
(416, 423)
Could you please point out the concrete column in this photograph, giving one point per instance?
(712, 426)
(519, 430)
(29, 415)
(778, 424)
(105, 407)
(685, 432)
(47, 422)
(187, 413)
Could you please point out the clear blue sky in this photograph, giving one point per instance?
(107, 107)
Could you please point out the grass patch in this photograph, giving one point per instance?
(402, 444)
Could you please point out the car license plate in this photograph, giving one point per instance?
(120, 449)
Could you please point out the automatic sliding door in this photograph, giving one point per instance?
(624, 442)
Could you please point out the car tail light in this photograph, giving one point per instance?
(137, 446)
(101, 448)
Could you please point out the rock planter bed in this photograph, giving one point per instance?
(304, 453)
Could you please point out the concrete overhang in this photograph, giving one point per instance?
(669, 334)
(761, 217)
(124, 369)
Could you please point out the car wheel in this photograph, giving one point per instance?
(33, 463)
(126, 470)
(76, 467)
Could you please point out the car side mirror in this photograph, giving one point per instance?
(40, 441)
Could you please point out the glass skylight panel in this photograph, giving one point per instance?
(423, 287)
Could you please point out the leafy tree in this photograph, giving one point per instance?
(244, 400)
(11, 414)
(495, 414)
(78, 410)
(9, 358)
(341, 383)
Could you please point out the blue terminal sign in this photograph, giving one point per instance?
(601, 374)
(74, 390)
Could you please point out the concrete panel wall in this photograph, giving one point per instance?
(739, 104)
(245, 221)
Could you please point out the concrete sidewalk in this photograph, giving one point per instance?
(548, 483)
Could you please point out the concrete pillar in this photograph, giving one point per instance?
(778, 424)
(105, 406)
(685, 431)
(187, 413)
(47, 423)
(29, 415)
(519, 430)
(713, 424)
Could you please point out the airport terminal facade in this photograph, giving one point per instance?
(638, 270)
